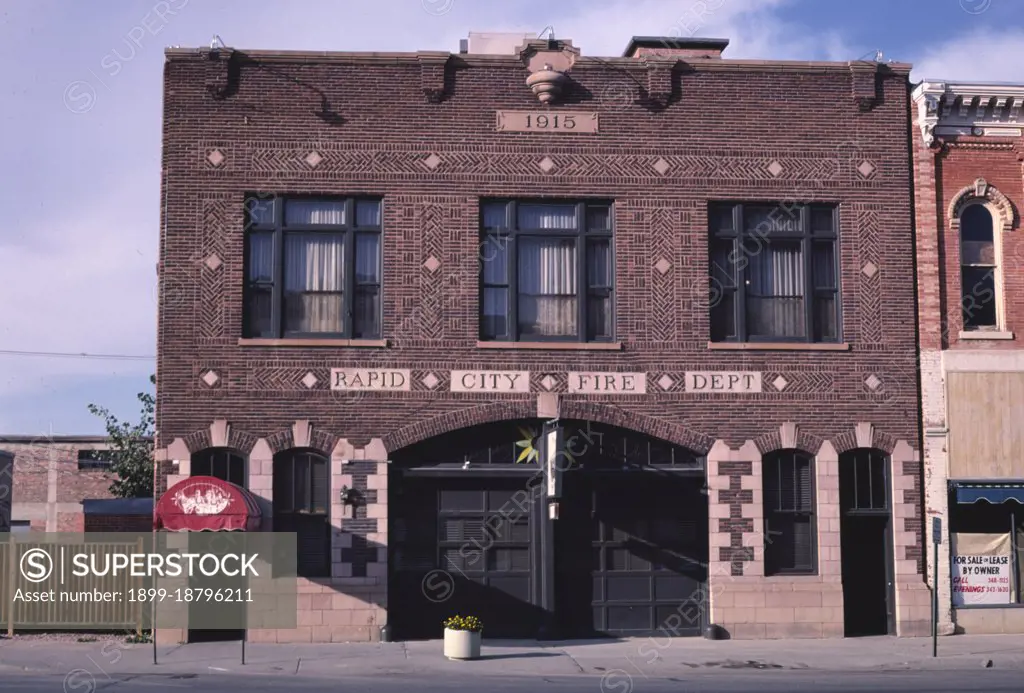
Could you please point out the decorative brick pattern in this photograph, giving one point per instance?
(869, 286)
(432, 175)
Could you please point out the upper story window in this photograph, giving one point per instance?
(774, 273)
(99, 460)
(547, 271)
(977, 268)
(313, 268)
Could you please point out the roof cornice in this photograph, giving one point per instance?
(968, 108)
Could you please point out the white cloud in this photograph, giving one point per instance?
(981, 56)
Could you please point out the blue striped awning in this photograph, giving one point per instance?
(995, 492)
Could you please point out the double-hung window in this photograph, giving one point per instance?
(547, 271)
(774, 273)
(313, 268)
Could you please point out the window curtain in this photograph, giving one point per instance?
(533, 216)
(314, 282)
(547, 287)
(775, 301)
(314, 213)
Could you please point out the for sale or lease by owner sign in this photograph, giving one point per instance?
(982, 569)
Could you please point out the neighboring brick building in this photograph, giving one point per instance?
(53, 475)
(968, 149)
(442, 252)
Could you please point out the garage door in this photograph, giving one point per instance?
(632, 555)
(450, 558)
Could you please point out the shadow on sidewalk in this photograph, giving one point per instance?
(519, 655)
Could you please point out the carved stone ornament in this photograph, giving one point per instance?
(548, 61)
(547, 83)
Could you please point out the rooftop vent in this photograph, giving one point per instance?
(674, 47)
(493, 43)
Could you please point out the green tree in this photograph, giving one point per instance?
(131, 448)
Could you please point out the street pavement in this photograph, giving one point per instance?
(991, 663)
(991, 681)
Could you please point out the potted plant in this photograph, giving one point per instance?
(462, 637)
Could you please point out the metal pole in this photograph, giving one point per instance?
(935, 600)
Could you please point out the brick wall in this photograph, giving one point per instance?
(419, 130)
(118, 523)
(48, 487)
(719, 138)
(942, 170)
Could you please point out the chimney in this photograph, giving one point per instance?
(493, 43)
(674, 47)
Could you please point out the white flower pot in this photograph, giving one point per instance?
(461, 644)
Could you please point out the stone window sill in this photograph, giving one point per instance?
(554, 346)
(778, 346)
(986, 334)
(360, 343)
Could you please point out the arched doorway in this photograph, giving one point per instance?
(865, 503)
(471, 532)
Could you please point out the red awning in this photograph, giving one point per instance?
(207, 504)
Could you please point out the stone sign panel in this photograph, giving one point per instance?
(607, 383)
(723, 382)
(383, 379)
(546, 121)
(490, 381)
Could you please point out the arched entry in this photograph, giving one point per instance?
(865, 503)
(471, 532)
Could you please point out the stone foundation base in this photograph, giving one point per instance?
(1008, 621)
(773, 608)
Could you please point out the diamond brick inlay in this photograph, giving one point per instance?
(662, 265)
(432, 161)
(432, 264)
(665, 382)
(661, 166)
(775, 168)
(430, 380)
(211, 378)
(869, 269)
(780, 383)
(872, 382)
(309, 381)
(546, 164)
(213, 262)
(215, 157)
(866, 168)
(548, 382)
(313, 159)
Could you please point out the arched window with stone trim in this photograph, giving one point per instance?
(978, 268)
(978, 213)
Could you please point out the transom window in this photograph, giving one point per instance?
(977, 268)
(774, 273)
(221, 464)
(547, 271)
(789, 526)
(313, 268)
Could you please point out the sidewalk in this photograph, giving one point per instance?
(643, 657)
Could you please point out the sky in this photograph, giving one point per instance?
(80, 140)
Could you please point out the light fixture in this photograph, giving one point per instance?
(346, 496)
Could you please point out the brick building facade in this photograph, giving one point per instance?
(51, 476)
(968, 149)
(458, 325)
